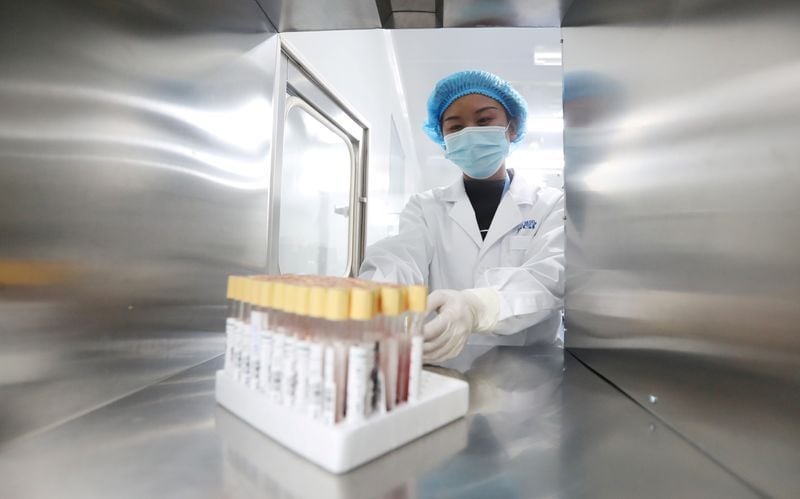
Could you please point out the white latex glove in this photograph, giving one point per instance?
(460, 313)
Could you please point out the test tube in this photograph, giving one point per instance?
(289, 330)
(361, 384)
(392, 307)
(253, 338)
(243, 337)
(231, 323)
(278, 340)
(301, 348)
(404, 350)
(252, 333)
(417, 305)
(265, 340)
(316, 350)
(337, 302)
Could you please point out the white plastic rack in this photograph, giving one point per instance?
(342, 447)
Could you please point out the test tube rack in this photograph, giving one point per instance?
(342, 447)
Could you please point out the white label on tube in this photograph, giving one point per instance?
(415, 368)
(230, 334)
(392, 366)
(266, 361)
(254, 347)
(276, 366)
(289, 380)
(381, 394)
(301, 351)
(358, 370)
(329, 388)
(245, 339)
(238, 354)
(315, 379)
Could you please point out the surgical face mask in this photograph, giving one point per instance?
(477, 150)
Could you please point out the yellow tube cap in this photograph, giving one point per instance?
(301, 300)
(316, 302)
(289, 298)
(417, 298)
(337, 304)
(247, 289)
(362, 304)
(265, 293)
(391, 301)
(278, 294)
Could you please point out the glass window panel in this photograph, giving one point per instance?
(314, 197)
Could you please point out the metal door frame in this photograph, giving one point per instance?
(355, 133)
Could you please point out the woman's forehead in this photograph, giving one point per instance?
(469, 105)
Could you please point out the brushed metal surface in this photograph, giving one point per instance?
(748, 422)
(398, 14)
(540, 425)
(309, 15)
(656, 12)
(312, 15)
(520, 13)
(682, 229)
(134, 144)
(682, 176)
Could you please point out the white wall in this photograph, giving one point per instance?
(425, 56)
(358, 67)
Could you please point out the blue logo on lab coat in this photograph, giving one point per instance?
(527, 224)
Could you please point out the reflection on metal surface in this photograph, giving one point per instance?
(309, 15)
(656, 12)
(410, 13)
(235, 139)
(538, 13)
(677, 239)
(680, 232)
(618, 450)
(134, 141)
(256, 463)
(682, 179)
(159, 442)
(540, 425)
(312, 15)
(21, 273)
(751, 426)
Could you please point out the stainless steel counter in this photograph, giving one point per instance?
(540, 425)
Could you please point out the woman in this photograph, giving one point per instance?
(490, 246)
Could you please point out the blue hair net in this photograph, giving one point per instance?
(463, 83)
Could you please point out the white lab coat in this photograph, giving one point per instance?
(439, 244)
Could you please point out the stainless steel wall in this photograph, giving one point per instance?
(682, 174)
(312, 15)
(134, 144)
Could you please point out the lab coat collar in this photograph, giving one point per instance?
(509, 214)
(461, 211)
(522, 192)
(455, 192)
